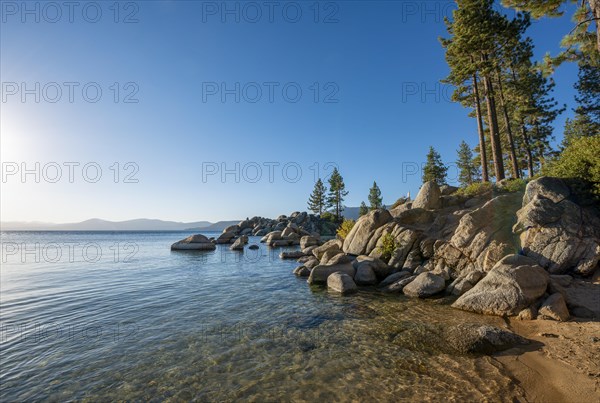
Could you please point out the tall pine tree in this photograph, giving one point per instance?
(467, 170)
(317, 200)
(375, 197)
(337, 192)
(434, 169)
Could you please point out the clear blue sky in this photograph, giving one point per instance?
(373, 58)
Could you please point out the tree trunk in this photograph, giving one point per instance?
(527, 149)
(595, 7)
(482, 150)
(493, 126)
(511, 143)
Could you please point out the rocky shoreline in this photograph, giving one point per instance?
(525, 254)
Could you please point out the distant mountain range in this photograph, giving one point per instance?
(140, 224)
(96, 224)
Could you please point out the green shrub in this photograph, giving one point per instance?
(387, 247)
(327, 216)
(514, 185)
(475, 189)
(580, 160)
(345, 228)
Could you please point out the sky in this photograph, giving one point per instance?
(202, 110)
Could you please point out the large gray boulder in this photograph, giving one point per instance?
(357, 240)
(558, 233)
(342, 283)
(239, 243)
(333, 247)
(365, 275)
(194, 242)
(320, 273)
(429, 197)
(425, 285)
(513, 284)
(308, 240)
(482, 237)
(226, 237)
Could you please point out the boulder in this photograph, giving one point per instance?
(425, 285)
(232, 228)
(464, 283)
(302, 271)
(379, 267)
(356, 241)
(392, 278)
(332, 244)
(308, 250)
(529, 313)
(482, 236)
(555, 308)
(513, 284)
(253, 247)
(365, 274)
(295, 254)
(471, 338)
(272, 236)
(339, 258)
(319, 274)
(281, 242)
(342, 283)
(558, 233)
(239, 243)
(226, 237)
(194, 242)
(447, 190)
(312, 262)
(428, 197)
(308, 240)
(287, 232)
(415, 216)
(398, 285)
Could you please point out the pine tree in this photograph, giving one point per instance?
(468, 171)
(337, 192)
(587, 114)
(363, 209)
(580, 41)
(317, 201)
(375, 197)
(434, 169)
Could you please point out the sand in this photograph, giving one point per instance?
(562, 364)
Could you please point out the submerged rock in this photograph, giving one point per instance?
(480, 339)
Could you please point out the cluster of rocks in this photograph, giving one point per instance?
(282, 231)
(523, 254)
(301, 222)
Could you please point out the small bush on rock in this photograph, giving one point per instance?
(514, 185)
(387, 247)
(345, 228)
(475, 189)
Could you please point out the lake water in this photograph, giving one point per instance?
(103, 316)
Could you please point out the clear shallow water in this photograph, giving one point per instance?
(140, 322)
